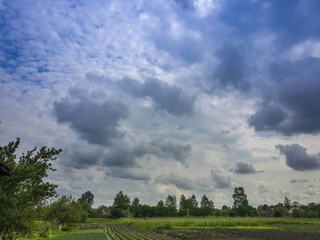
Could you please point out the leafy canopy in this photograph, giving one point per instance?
(26, 189)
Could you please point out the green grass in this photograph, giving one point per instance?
(81, 236)
(221, 222)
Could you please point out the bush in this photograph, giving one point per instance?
(278, 212)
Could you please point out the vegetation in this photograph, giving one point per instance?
(26, 190)
(122, 232)
(66, 210)
(81, 236)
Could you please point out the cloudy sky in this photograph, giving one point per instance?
(167, 97)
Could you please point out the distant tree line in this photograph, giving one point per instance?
(187, 206)
(68, 210)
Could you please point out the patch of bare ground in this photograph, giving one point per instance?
(239, 234)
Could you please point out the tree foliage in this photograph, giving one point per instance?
(206, 206)
(121, 205)
(87, 197)
(66, 210)
(171, 206)
(240, 204)
(188, 207)
(26, 189)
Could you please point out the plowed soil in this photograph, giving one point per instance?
(238, 234)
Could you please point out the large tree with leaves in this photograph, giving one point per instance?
(240, 204)
(121, 205)
(66, 210)
(26, 189)
(206, 206)
(87, 197)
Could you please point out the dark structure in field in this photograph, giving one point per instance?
(4, 172)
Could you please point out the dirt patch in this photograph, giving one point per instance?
(238, 234)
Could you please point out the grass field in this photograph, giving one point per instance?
(81, 236)
(223, 222)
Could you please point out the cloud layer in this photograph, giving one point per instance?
(292, 105)
(166, 97)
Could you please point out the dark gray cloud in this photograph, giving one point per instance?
(186, 5)
(292, 106)
(124, 156)
(129, 173)
(98, 123)
(291, 22)
(267, 118)
(232, 69)
(178, 181)
(298, 159)
(299, 180)
(224, 132)
(221, 178)
(81, 157)
(164, 97)
(244, 168)
(120, 157)
(170, 149)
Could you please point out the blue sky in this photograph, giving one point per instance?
(167, 97)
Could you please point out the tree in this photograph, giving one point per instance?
(135, 202)
(160, 209)
(206, 206)
(287, 203)
(188, 207)
(240, 204)
(183, 206)
(26, 189)
(66, 210)
(101, 212)
(136, 207)
(86, 201)
(87, 197)
(121, 205)
(193, 205)
(171, 201)
(171, 205)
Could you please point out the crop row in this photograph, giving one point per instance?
(123, 232)
(92, 226)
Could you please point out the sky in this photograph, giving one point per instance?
(167, 97)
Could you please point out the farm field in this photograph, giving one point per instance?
(82, 236)
(205, 228)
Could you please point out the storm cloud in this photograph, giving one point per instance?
(81, 156)
(98, 123)
(124, 156)
(178, 181)
(164, 97)
(221, 178)
(186, 5)
(244, 168)
(120, 157)
(129, 173)
(293, 106)
(298, 159)
(232, 69)
(292, 21)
